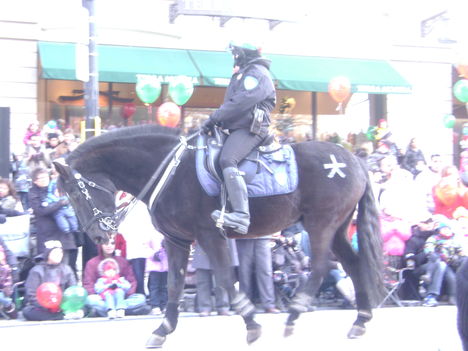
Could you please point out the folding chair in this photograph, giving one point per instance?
(392, 285)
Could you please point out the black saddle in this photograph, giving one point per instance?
(248, 166)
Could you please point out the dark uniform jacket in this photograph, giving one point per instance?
(251, 86)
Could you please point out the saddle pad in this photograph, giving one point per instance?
(283, 180)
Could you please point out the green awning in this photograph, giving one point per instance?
(314, 73)
(118, 64)
(213, 68)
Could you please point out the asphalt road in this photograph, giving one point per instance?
(402, 329)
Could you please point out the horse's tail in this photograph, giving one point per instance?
(370, 245)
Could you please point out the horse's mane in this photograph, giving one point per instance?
(116, 136)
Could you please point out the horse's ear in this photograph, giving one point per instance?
(62, 169)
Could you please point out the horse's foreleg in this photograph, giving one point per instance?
(224, 276)
(246, 309)
(178, 259)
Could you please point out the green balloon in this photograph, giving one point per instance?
(370, 134)
(148, 90)
(181, 90)
(460, 90)
(449, 121)
(74, 299)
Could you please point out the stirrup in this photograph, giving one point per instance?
(223, 221)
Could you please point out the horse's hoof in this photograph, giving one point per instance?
(155, 341)
(253, 335)
(356, 332)
(288, 331)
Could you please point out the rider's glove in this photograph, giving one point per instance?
(207, 126)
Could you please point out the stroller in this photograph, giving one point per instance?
(290, 270)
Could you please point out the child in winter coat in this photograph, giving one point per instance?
(112, 288)
(65, 217)
(48, 269)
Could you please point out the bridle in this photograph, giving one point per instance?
(110, 221)
(107, 221)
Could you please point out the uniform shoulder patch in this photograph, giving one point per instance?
(250, 82)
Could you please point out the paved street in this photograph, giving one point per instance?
(402, 329)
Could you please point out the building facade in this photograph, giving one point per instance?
(418, 112)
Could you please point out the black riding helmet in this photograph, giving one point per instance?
(244, 52)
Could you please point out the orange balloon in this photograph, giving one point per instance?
(462, 69)
(168, 114)
(339, 89)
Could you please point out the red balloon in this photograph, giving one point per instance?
(168, 114)
(49, 295)
(128, 110)
(339, 89)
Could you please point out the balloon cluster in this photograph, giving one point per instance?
(180, 89)
(49, 295)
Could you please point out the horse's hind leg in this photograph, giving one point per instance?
(177, 254)
(350, 260)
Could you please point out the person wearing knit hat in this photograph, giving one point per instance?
(49, 268)
(112, 288)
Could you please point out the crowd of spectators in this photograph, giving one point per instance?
(423, 212)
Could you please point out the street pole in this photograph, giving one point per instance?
(91, 87)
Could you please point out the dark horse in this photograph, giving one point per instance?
(332, 183)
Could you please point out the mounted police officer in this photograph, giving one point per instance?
(245, 113)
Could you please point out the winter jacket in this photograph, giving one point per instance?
(157, 251)
(448, 249)
(251, 86)
(91, 273)
(411, 159)
(60, 274)
(414, 248)
(10, 203)
(20, 172)
(137, 229)
(46, 227)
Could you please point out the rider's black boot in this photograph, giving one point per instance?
(236, 188)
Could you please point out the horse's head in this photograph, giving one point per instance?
(93, 199)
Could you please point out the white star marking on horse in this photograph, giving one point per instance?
(335, 167)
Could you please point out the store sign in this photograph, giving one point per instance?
(258, 9)
(165, 79)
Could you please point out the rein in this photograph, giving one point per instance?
(168, 166)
